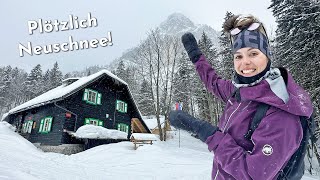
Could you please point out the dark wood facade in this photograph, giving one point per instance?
(69, 113)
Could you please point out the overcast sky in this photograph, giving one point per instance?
(128, 20)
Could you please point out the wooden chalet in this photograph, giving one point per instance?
(101, 99)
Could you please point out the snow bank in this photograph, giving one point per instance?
(97, 132)
(191, 160)
(8, 126)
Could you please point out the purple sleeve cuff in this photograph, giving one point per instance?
(214, 140)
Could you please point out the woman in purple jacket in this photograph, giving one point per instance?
(279, 133)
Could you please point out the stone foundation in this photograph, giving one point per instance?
(66, 149)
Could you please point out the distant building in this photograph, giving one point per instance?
(153, 125)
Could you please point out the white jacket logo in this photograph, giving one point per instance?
(267, 150)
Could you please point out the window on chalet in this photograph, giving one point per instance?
(27, 127)
(122, 106)
(45, 125)
(92, 97)
(123, 127)
(93, 121)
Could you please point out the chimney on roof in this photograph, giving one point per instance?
(69, 81)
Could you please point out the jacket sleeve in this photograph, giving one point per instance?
(214, 84)
(275, 141)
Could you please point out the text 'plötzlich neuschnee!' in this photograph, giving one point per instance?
(47, 26)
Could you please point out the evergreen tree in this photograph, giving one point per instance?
(145, 101)
(46, 79)
(131, 80)
(5, 89)
(55, 76)
(36, 73)
(298, 41)
(183, 83)
(34, 83)
(297, 44)
(66, 76)
(225, 53)
(121, 71)
(207, 48)
(205, 99)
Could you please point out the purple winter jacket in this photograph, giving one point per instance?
(274, 141)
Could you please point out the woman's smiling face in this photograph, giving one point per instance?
(249, 62)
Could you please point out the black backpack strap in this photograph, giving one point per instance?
(260, 113)
(312, 128)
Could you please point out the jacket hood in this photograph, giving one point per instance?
(281, 92)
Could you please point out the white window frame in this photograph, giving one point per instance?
(96, 122)
(122, 106)
(45, 125)
(123, 127)
(92, 97)
(27, 127)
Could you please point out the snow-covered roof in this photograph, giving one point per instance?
(151, 122)
(4, 116)
(144, 136)
(63, 91)
(97, 132)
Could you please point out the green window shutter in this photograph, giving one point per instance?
(125, 107)
(50, 124)
(127, 129)
(87, 121)
(85, 95)
(100, 123)
(99, 99)
(119, 127)
(41, 125)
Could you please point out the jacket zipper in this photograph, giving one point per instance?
(225, 126)
(216, 173)
(223, 131)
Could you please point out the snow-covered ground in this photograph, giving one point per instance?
(19, 159)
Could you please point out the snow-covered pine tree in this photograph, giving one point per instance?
(183, 83)
(297, 44)
(46, 78)
(18, 95)
(67, 75)
(34, 82)
(55, 76)
(12, 90)
(5, 89)
(145, 101)
(132, 79)
(121, 71)
(206, 101)
(225, 52)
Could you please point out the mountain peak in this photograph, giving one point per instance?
(179, 17)
(175, 23)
